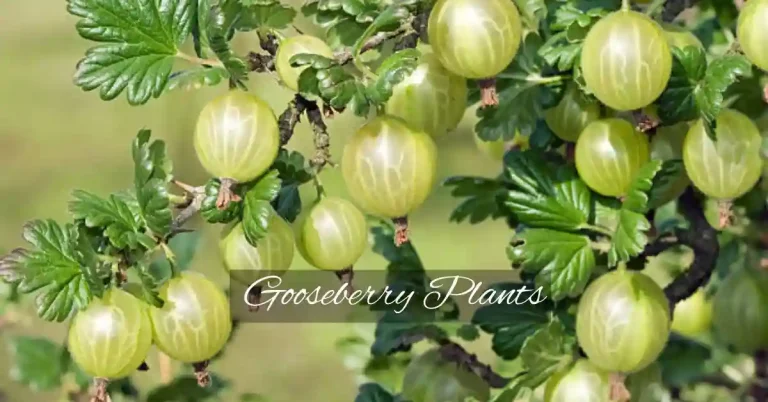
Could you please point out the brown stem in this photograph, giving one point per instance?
(619, 391)
(401, 230)
(645, 123)
(673, 8)
(290, 117)
(725, 214)
(226, 193)
(374, 41)
(346, 276)
(99, 390)
(758, 390)
(322, 140)
(260, 63)
(454, 352)
(702, 238)
(202, 374)
(488, 96)
(187, 213)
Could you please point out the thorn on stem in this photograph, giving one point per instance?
(619, 391)
(202, 374)
(254, 297)
(401, 230)
(226, 194)
(345, 277)
(488, 96)
(99, 390)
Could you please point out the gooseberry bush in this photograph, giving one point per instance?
(631, 177)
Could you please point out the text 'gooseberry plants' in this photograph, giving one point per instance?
(632, 181)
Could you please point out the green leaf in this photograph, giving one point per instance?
(695, 89)
(211, 213)
(484, 198)
(269, 15)
(393, 70)
(532, 11)
(183, 246)
(117, 216)
(559, 52)
(138, 41)
(546, 193)
(185, 389)
(637, 196)
(668, 175)
(292, 167)
(629, 238)
(332, 82)
(546, 352)
(200, 25)
(152, 174)
(523, 95)
(37, 362)
(219, 35)
(150, 283)
(511, 325)
(288, 202)
(468, 332)
(683, 360)
(196, 78)
(562, 261)
(372, 392)
(53, 266)
(257, 209)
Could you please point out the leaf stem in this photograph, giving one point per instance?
(197, 60)
(535, 78)
(625, 6)
(596, 228)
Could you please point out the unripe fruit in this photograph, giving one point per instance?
(626, 61)
(291, 47)
(431, 98)
(740, 310)
(623, 320)
(609, 153)
(332, 234)
(666, 145)
(388, 167)
(272, 255)
(752, 32)
(111, 337)
(693, 316)
(475, 39)
(583, 382)
(194, 323)
(430, 378)
(729, 167)
(647, 385)
(237, 136)
(574, 112)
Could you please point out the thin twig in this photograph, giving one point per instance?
(375, 41)
(455, 353)
(322, 139)
(187, 213)
(290, 117)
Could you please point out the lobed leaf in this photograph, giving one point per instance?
(484, 198)
(152, 174)
(196, 78)
(137, 43)
(629, 238)
(117, 216)
(257, 209)
(393, 70)
(546, 352)
(563, 262)
(546, 193)
(637, 196)
(211, 213)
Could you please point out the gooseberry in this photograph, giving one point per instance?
(609, 153)
(194, 323)
(111, 337)
(332, 234)
(729, 167)
(388, 167)
(626, 61)
(571, 115)
(583, 381)
(740, 308)
(292, 46)
(623, 321)
(752, 32)
(272, 255)
(680, 37)
(693, 316)
(431, 98)
(430, 378)
(237, 136)
(475, 39)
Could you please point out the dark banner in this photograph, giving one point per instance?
(323, 297)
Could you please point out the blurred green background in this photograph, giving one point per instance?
(55, 138)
